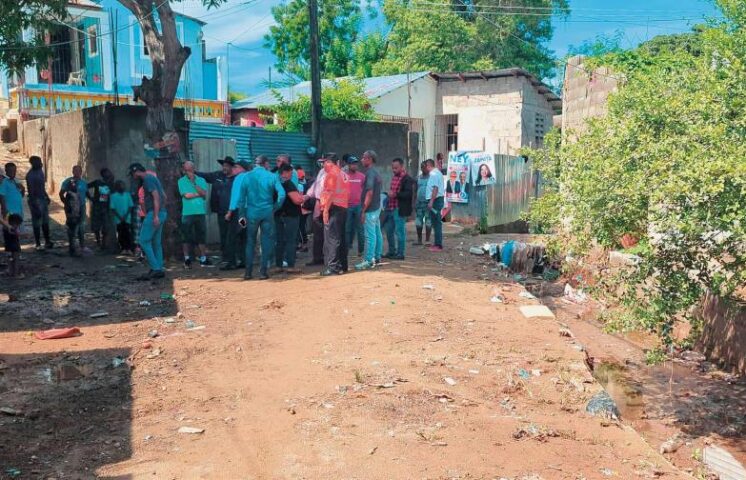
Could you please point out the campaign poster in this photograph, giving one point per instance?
(457, 177)
(483, 169)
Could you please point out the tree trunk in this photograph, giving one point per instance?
(158, 93)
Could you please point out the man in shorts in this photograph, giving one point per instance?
(193, 191)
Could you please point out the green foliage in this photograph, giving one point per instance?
(467, 36)
(235, 96)
(666, 164)
(601, 45)
(339, 24)
(17, 17)
(345, 100)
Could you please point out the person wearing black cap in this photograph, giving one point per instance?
(152, 227)
(220, 199)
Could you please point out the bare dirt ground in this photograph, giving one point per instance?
(405, 372)
(367, 375)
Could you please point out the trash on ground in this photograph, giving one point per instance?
(476, 251)
(671, 445)
(153, 333)
(565, 332)
(575, 295)
(523, 373)
(527, 295)
(536, 372)
(118, 362)
(99, 315)
(57, 333)
(197, 327)
(536, 311)
(167, 296)
(602, 405)
(450, 381)
(428, 287)
(273, 305)
(13, 472)
(191, 430)
(496, 299)
(10, 411)
(620, 259)
(144, 303)
(534, 432)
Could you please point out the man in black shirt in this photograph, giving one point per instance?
(286, 222)
(220, 199)
(102, 189)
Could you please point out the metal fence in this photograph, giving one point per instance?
(252, 141)
(503, 202)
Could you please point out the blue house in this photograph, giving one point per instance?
(99, 54)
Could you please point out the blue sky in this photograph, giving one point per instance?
(243, 23)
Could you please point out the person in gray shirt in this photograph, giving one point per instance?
(371, 212)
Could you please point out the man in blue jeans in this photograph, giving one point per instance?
(151, 233)
(371, 211)
(256, 203)
(435, 204)
(355, 180)
(399, 209)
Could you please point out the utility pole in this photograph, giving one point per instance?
(313, 12)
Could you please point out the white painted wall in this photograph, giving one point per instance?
(423, 105)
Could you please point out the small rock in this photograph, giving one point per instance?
(450, 381)
(144, 303)
(10, 411)
(496, 299)
(99, 315)
(671, 445)
(428, 287)
(602, 405)
(373, 450)
(153, 333)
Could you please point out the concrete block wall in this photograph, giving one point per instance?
(494, 114)
(585, 94)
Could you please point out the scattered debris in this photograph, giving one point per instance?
(144, 303)
(607, 472)
(198, 327)
(565, 332)
(601, 405)
(189, 324)
(13, 472)
(99, 315)
(476, 251)
(450, 381)
(575, 295)
(496, 299)
(169, 320)
(534, 432)
(536, 372)
(118, 362)
(527, 295)
(57, 333)
(536, 311)
(273, 305)
(191, 430)
(671, 445)
(428, 287)
(621, 259)
(153, 333)
(523, 373)
(10, 411)
(167, 296)
(372, 450)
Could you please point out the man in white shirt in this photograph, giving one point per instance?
(435, 203)
(317, 224)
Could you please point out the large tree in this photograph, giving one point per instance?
(17, 17)
(339, 24)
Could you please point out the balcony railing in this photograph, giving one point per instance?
(43, 103)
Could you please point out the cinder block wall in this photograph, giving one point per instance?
(585, 94)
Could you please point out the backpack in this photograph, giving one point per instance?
(72, 205)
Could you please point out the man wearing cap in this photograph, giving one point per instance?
(334, 200)
(193, 191)
(356, 180)
(220, 199)
(260, 194)
(151, 232)
(285, 159)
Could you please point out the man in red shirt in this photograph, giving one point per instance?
(334, 201)
(354, 226)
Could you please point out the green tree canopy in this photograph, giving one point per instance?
(15, 52)
(343, 100)
(339, 24)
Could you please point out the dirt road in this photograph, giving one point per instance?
(406, 372)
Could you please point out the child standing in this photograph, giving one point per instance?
(121, 206)
(74, 206)
(12, 239)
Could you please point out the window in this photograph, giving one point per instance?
(92, 40)
(144, 47)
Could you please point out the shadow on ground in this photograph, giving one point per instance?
(64, 415)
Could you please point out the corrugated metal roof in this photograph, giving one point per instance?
(253, 141)
(375, 87)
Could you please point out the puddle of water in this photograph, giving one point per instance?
(626, 392)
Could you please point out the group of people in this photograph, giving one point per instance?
(270, 203)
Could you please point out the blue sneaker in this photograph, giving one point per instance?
(364, 265)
